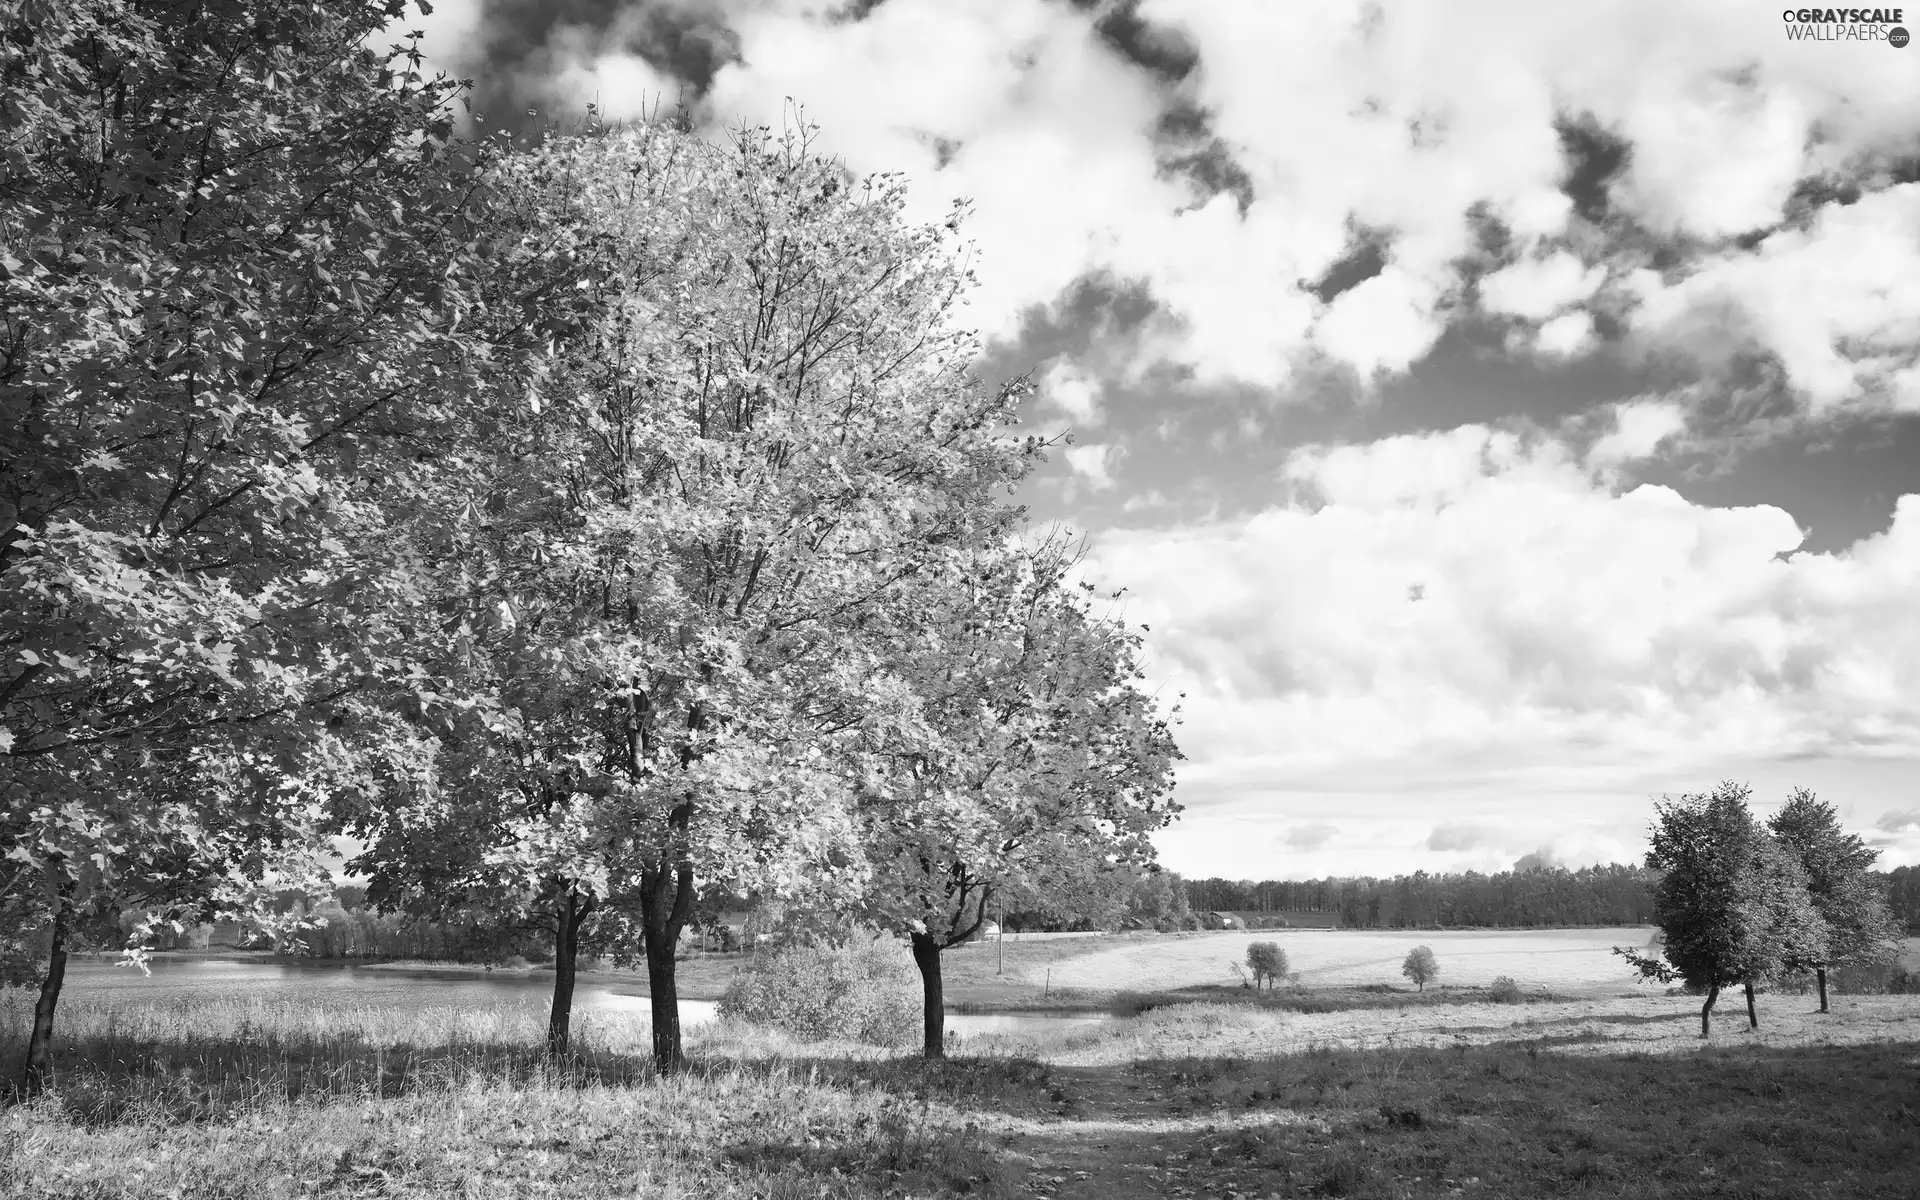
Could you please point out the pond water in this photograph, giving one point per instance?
(176, 980)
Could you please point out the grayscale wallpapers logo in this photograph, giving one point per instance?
(1846, 25)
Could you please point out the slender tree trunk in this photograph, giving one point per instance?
(1753, 1014)
(39, 1072)
(1820, 973)
(1706, 1011)
(926, 956)
(666, 900)
(566, 953)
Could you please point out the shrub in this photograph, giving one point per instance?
(1421, 966)
(862, 987)
(1504, 991)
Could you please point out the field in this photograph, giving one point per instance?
(1601, 1096)
(1563, 961)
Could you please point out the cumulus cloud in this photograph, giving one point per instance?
(1069, 388)
(1094, 464)
(1233, 157)
(1640, 427)
(1572, 644)
(1540, 287)
(1838, 303)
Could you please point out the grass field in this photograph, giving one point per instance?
(1564, 961)
(217, 1099)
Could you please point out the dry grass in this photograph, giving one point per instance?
(1564, 961)
(228, 1098)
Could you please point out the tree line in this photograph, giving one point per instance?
(572, 526)
(1543, 896)
(1611, 894)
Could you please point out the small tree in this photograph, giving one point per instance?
(1421, 966)
(1732, 902)
(1267, 961)
(1860, 926)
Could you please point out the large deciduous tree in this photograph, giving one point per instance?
(1732, 902)
(1034, 766)
(233, 241)
(654, 573)
(1850, 899)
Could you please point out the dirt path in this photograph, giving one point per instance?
(1122, 1135)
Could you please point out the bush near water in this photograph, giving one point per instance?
(862, 987)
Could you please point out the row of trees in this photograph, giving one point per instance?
(571, 527)
(1741, 902)
(1542, 896)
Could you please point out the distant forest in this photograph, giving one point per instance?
(1604, 895)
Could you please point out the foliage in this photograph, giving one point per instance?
(1037, 767)
(1903, 897)
(859, 988)
(654, 572)
(1849, 899)
(233, 239)
(1503, 990)
(1158, 898)
(1421, 966)
(1732, 904)
(1266, 961)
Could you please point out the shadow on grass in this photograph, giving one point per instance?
(1750, 1121)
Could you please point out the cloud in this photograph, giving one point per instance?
(1094, 463)
(1640, 427)
(1566, 336)
(1070, 389)
(1836, 303)
(1308, 837)
(1542, 859)
(1571, 640)
(1900, 822)
(1247, 164)
(1538, 288)
(1457, 837)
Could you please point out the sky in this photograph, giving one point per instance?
(1501, 414)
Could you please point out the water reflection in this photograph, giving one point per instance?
(275, 983)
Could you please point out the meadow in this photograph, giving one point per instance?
(1390, 1096)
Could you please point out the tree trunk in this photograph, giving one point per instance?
(1820, 973)
(666, 900)
(664, 994)
(933, 1012)
(1706, 1011)
(1753, 1014)
(39, 1072)
(566, 950)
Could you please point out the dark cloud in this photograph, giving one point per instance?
(1166, 53)
(1456, 837)
(855, 11)
(1595, 158)
(1900, 822)
(1308, 837)
(1366, 256)
(1185, 147)
(524, 44)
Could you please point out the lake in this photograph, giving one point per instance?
(176, 980)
